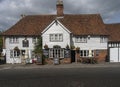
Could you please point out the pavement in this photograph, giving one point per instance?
(72, 65)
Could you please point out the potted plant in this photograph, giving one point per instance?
(67, 47)
(46, 46)
(72, 47)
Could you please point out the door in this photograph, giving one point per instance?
(59, 53)
(72, 56)
(23, 56)
(56, 53)
(114, 54)
(119, 54)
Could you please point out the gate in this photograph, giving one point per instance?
(114, 51)
(114, 54)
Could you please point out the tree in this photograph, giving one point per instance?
(38, 46)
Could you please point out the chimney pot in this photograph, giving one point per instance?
(59, 7)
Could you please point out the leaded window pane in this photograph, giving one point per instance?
(81, 39)
(25, 43)
(56, 37)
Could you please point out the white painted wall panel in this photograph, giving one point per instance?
(11, 46)
(54, 29)
(11, 60)
(119, 54)
(92, 43)
(113, 54)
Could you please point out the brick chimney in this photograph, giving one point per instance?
(59, 7)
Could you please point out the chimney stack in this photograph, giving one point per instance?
(59, 7)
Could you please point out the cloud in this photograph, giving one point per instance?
(1, 1)
(10, 10)
(107, 8)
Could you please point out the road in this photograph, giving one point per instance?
(60, 77)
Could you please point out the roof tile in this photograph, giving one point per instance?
(82, 24)
(114, 31)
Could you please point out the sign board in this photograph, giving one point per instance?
(67, 53)
(46, 53)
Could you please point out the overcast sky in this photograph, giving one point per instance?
(11, 10)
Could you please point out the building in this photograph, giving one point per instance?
(86, 33)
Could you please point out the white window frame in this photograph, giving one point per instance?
(34, 40)
(85, 53)
(14, 40)
(25, 44)
(52, 53)
(56, 37)
(81, 39)
(103, 39)
(14, 54)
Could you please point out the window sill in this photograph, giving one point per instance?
(15, 57)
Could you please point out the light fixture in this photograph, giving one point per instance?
(88, 36)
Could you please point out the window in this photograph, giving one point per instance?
(51, 53)
(56, 37)
(11, 54)
(60, 37)
(113, 44)
(86, 53)
(103, 39)
(25, 43)
(51, 37)
(14, 54)
(81, 39)
(97, 52)
(34, 39)
(13, 40)
(56, 53)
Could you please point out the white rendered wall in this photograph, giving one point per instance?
(93, 43)
(11, 46)
(56, 29)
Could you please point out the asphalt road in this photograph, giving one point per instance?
(77, 77)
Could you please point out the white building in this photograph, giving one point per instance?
(84, 31)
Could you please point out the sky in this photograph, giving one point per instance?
(11, 10)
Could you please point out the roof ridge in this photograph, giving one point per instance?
(43, 15)
(81, 14)
(112, 24)
(64, 14)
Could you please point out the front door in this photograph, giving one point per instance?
(59, 53)
(72, 55)
(23, 56)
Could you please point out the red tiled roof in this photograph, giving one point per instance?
(114, 31)
(83, 24)
(86, 24)
(30, 25)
